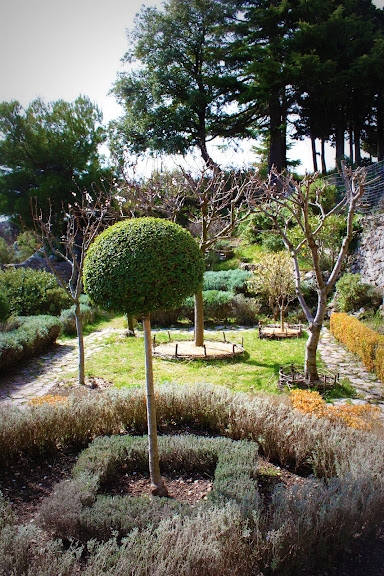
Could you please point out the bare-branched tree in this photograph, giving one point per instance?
(163, 194)
(211, 203)
(305, 204)
(85, 219)
(220, 201)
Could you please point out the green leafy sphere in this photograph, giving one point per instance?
(140, 265)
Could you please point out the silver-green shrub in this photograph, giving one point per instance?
(239, 532)
(31, 335)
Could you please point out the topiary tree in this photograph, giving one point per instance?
(138, 266)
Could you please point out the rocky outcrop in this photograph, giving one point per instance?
(38, 262)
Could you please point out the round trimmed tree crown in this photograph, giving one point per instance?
(142, 264)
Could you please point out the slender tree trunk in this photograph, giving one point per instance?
(130, 325)
(350, 139)
(282, 319)
(310, 367)
(339, 138)
(80, 343)
(275, 135)
(314, 154)
(357, 140)
(380, 130)
(199, 318)
(158, 487)
(323, 164)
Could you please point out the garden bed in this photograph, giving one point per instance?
(274, 331)
(186, 350)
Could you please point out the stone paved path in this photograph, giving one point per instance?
(38, 376)
(340, 361)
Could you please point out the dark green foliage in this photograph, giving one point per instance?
(217, 305)
(26, 244)
(353, 294)
(32, 292)
(174, 97)
(141, 265)
(34, 334)
(6, 252)
(227, 280)
(258, 229)
(5, 309)
(271, 241)
(254, 226)
(166, 317)
(49, 151)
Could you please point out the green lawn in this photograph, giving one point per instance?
(121, 361)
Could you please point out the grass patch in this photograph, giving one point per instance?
(342, 389)
(121, 361)
(242, 252)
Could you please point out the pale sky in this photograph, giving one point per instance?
(57, 49)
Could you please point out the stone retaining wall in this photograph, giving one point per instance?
(369, 257)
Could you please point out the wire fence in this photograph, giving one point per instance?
(373, 197)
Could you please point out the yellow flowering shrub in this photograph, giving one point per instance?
(379, 362)
(308, 402)
(359, 416)
(359, 339)
(48, 399)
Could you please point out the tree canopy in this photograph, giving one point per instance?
(208, 68)
(142, 264)
(175, 99)
(47, 151)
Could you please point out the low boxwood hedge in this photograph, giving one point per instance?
(361, 340)
(78, 510)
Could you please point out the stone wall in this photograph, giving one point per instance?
(369, 256)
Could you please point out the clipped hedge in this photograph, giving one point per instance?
(238, 530)
(33, 334)
(226, 280)
(78, 511)
(361, 340)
